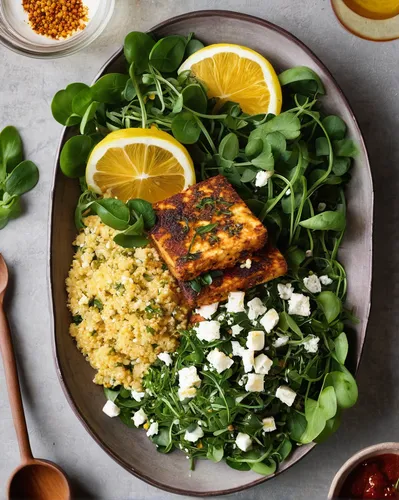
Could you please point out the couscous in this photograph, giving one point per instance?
(125, 304)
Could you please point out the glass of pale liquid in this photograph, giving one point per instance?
(376, 20)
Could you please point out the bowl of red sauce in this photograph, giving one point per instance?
(370, 473)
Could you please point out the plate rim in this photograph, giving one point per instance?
(97, 438)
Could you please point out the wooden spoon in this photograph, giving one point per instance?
(34, 479)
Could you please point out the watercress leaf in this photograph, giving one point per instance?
(296, 425)
(11, 151)
(330, 304)
(193, 46)
(295, 256)
(129, 92)
(88, 116)
(288, 124)
(331, 427)
(112, 212)
(265, 160)
(345, 388)
(167, 54)
(335, 127)
(264, 468)
(346, 147)
(131, 241)
(22, 179)
(341, 348)
(322, 148)
(137, 48)
(328, 402)
(215, 453)
(300, 74)
(195, 98)
(242, 466)
(61, 105)
(254, 148)
(74, 155)
(135, 229)
(229, 147)
(341, 165)
(109, 88)
(82, 101)
(277, 142)
(315, 421)
(248, 175)
(285, 318)
(326, 221)
(111, 394)
(285, 449)
(288, 205)
(178, 105)
(143, 208)
(185, 128)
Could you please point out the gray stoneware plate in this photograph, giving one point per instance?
(131, 448)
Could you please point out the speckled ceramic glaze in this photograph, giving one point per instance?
(131, 448)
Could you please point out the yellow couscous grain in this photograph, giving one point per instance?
(125, 304)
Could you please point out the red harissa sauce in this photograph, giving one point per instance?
(376, 477)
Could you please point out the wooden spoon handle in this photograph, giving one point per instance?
(14, 392)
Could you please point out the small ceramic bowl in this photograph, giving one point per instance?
(358, 458)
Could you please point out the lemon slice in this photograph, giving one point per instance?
(139, 163)
(236, 73)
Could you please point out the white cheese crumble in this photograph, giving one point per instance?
(299, 305)
(325, 280)
(309, 253)
(269, 424)
(137, 396)
(312, 283)
(286, 395)
(194, 435)
(207, 311)
(188, 377)
(110, 409)
(248, 360)
(255, 382)
(153, 429)
(285, 291)
(219, 360)
(235, 303)
(262, 364)
(187, 393)
(208, 330)
(165, 357)
(247, 264)
(236, 329)
(281, 341)
(139, 417)
(321, 207)
(262, 177)
(270, 320)
(237, 348)
(255, 308)
(311, 344)
(243, 441)
(256, 340)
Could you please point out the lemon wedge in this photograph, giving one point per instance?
(239, 74)
(139, 163)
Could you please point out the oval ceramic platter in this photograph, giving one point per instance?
(131, 448)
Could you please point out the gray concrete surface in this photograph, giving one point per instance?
(369, 75)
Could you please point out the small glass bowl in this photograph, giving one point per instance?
(17, 35)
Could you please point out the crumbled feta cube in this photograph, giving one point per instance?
(255, 382)
(309, 253)
(247, 264)
(286, 395)
(269, 424)
(236, 329)
(165, 357)
(312, 283)
(139, 417)
(321, 207)
(237, 348)
(255, 308)
(285, 291)
(188, 377)
(270, 320)
(137, 396)
(235, 303)
(219, 360)
(111, 409)
(248, 360)
(194, 435)
(153, 429)
(256, 340)
(311, 344)
(262, 364)
(299, 304)
(325, 280)
(281, 341)
(243, 441)
(221, 317)
(262, 177)
(187, 393)
(208, 330)
(207, 311)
